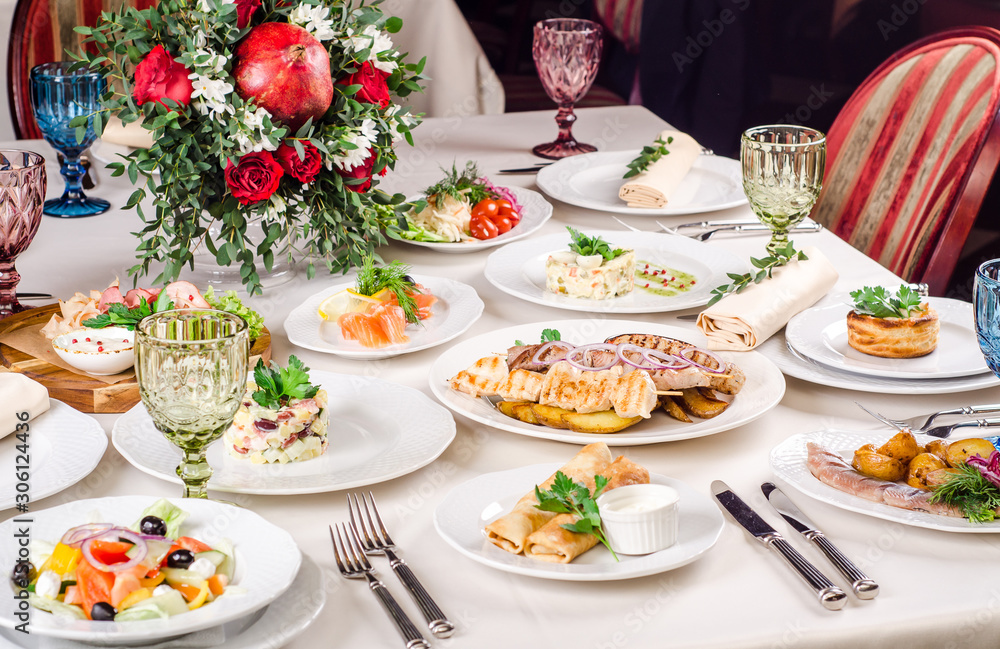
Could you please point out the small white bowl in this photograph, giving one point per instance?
(116, 357)
(640, 519)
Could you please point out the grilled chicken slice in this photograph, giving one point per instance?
(485, 376)
(521, 385)
(634, 395)
(567, 387)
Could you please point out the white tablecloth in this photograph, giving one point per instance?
(938, 589)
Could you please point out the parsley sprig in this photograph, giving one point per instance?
(586, 246)
(119, 315)
(877, 301)
(395, 277)
(276, 385)
(969, 490)
(568, 497)
(764, 268)
(460, 185)
(648, 156)
(548, 335)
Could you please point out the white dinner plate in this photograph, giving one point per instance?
(763, 390)
(519, 269)
(267, 560)
(457, 308)
(801, 367)
(535, 211)
(788, 461)
(592, 180)
(461, 517)
(278, 623)
(378, 431)
(820, 334)
(64, 446)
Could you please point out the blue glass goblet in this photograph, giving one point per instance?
(986, 298)
(58, 95)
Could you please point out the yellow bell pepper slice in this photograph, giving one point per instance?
(135, 597)
(63, 560)
(200, 598)
(153, 582)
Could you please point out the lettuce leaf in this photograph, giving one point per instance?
(231, 303)
(172, 515)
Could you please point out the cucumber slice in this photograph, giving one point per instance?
(214, 556)
(228, 566)
(155, 552)
(182, 576)
(159, 607)
(56, 607)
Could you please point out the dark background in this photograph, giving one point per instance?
(787, 61)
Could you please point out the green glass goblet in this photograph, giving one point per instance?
(191, 366)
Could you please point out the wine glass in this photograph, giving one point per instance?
(986, 297)
(22, 191)
(567, 52)
(57, 96)
(782, 175)
(191, 366)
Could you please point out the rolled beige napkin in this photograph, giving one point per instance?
(653, 187)
(20, 394)
(741, 321)
(133, 135)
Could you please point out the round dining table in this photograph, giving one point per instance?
(937, 587)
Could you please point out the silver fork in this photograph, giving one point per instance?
(925, 421)
(376, 540)
(743, 227)
(353, 564)
(934, 431)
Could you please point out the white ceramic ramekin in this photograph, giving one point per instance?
(640, 519)
(101, 363)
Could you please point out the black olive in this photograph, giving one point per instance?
(23, 574)
(103, 611)
(153, 526)
(408, 279)
(180, 559)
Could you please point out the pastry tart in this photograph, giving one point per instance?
(909, 337)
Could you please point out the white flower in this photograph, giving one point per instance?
(314, 20)
(378, 42)
(255, 120)
(213, 62)
(368, 132)
(352, 158)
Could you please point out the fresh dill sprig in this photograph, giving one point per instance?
(395, 277)
(970, 491)
(464, 185)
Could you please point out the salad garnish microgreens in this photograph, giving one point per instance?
(548, 335)
(765, 267)
(395, 277)
(568, 497)
(648, 156)
(231, 303)
(276, 385)
(972, 492)
(119, 315)
(878, 302)
(457, 184)
(587, 246)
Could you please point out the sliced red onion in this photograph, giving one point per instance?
(625, 348)
(989, 468)
(123, 533)
(537, 358)
(720, 365)
(582, 350)
(665, 361)
(77, 535)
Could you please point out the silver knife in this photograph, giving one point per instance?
(830, 596)
(862, 586)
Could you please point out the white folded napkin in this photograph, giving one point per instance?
(653, 187)
(133, 135)
(20, 394)
(741, 321)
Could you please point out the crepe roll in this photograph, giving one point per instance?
(510, 531)
(653, 187)
(554, 543)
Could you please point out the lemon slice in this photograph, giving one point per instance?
(346, 301)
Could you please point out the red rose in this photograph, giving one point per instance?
(364, 170)
(254, 178)
(158, 76)
(373, 87)
(304, 170)
(245, 10)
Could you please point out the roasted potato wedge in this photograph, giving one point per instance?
(902, 446)
(963, 449)
(696, 403)
(939, 447)
(605, 421)
(879, 466)
(518, 410)
(922, 465)
(673, 408)
(867, 448)
(550, 416)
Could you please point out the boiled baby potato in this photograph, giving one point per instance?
(939, 477)
(963, 449)
(517, 410)
(939, 447)
(550, 416)
(879, 466)
(922, 465)
(902, 446)
(698, 404)
(673, 408)
(605, 421)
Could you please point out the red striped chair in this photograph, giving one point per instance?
(912, 153)
(41, 32)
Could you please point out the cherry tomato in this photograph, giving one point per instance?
(487, 207)
(514, 216)
(482, 228)
(503, 223)
(504, 208)
(504, 204)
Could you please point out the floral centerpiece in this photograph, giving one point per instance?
(276, 110)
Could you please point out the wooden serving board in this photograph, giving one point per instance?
(82, 392)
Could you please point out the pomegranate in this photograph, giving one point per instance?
(287, 72)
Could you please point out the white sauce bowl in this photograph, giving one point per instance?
(117, 356)
(641, 518)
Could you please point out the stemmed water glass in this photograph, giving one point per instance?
(567, 53)
(22, 191)
(57, 96)
(782, 175)
(986, 298)
(191, 367)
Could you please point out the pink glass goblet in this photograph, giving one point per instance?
(567, 53)
(22, 195)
